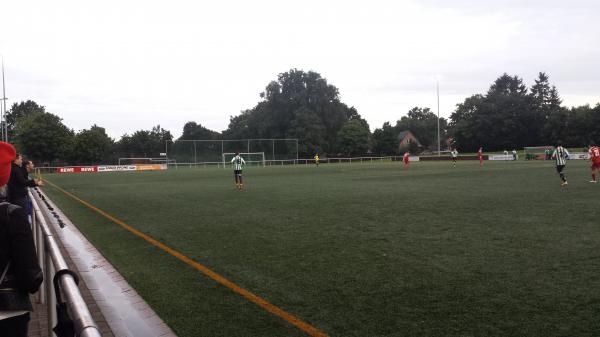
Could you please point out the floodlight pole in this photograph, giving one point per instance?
(438, 116)
(3, 123)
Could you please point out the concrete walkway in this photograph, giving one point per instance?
(116, 307)
(38, 326)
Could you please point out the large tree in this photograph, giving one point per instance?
(423, 123)
(546, 105)
(576, 126)
(193, 130)
(462, 127)
(501, 119)
(509, 116)
(92, 146)
(144, 143)
(18, 111)
(298, 105)
(307, 126)
(353, 138)
(385, 140)
(43, 137)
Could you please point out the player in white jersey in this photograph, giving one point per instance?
(238, 164)
(454, 155)
(561, 155)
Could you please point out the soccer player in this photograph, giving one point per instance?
(405, 159)
(561, 155)
(594, 157)
(317, 159)
(454, 155)
(238, 163)
(480, 155)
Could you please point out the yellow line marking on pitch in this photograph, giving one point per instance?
(309, 329)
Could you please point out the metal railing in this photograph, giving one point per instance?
(52, 262)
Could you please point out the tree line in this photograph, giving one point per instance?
(43, 137)
(510, 115)
(305, 106)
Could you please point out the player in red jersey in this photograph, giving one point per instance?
(406, 159)
(594, 157)
(480, 155)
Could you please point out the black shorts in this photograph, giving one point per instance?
(237, 172)
(559, 168)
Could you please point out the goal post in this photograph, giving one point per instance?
(538, 152)
(251, 158)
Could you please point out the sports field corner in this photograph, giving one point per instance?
(353, 250)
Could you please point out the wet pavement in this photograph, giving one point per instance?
(117, 308)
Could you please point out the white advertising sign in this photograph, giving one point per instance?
(501, 157)
(578, 156)
(113, 168)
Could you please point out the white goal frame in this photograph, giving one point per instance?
(246, 160)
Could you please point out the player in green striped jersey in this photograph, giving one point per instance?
(238, 164)
(561, 155)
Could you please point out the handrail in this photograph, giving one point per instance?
(53, 261)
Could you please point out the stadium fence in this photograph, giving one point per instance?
(301, 161)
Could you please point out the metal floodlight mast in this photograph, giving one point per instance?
(3, 123)
(438, 116)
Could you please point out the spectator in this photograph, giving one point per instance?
(18, 183)
(28, 168)
(20, 273)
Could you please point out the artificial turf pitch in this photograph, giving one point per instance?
(357, 249)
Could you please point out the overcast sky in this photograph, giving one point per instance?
(129, 65)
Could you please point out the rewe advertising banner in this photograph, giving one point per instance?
(77, 169)
(111, 168)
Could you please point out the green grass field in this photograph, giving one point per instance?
(357, 250)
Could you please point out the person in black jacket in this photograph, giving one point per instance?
(20, 273)
(18, 183)
(28, 167)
